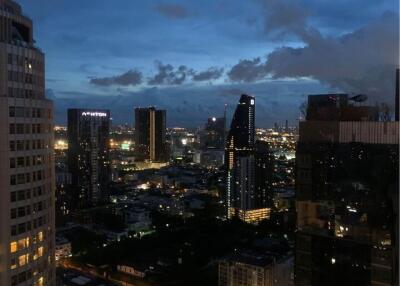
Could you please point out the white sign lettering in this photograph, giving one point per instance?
(94, 114)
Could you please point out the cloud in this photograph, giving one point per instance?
(173, 11)
(231, 92)
(362, 61)
(168, 75)
(131, 77)
(247, 71)
(283, 17)
(209, 74)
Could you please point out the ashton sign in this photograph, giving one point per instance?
(94, 114)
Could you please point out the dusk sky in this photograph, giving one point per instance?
(192, 57)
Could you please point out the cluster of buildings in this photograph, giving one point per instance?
(338, 172)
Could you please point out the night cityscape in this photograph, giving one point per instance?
(221, 143)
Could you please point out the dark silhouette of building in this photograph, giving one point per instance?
(264, 170)
(240, 163)
(346, 195)
(213, 136)
(88, 156)
(150, 134)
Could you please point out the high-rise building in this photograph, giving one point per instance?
(150, 134)
(240, 163)
(26, 156)
(347, 167)
(264, 170)
(213, 136)
(88, 156)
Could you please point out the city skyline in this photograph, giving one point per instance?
(281, 167)
(209, 52)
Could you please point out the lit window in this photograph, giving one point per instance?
(23, 259)
(40, 236)
(13, 247)
(13, 263)
(22, 243)
(40, 281)
(40, 251)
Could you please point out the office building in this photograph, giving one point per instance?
(150, 132)
(88, 156)
(240, 162)
(347, 183)
(26, 156)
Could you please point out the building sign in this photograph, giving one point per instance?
(94, 114)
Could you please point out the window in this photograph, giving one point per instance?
(11, 111)
(13, 180)
(13, 213)
(12, 163)
(13, 266)
(21, 195)
(12, 145)
(12, 128)
(23, 259)
(13, 196)
(20, 162)
(13, 247)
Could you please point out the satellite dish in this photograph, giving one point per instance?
(359, 98)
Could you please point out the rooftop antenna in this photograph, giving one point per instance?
(225, 107)
(396, 112)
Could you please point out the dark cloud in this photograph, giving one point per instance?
(231, 92)
(173, 11)
(168, 75)
(131, 77)
(284, 16)
(210, 74)
(362, 61)
(247, 71)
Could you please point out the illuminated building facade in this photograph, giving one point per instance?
(88, 156)
(26, 156)
(242, 199)
(346, 195)
(150, 134)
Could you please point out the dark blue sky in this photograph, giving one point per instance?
(191, 57)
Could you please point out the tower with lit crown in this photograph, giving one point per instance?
(241, 165)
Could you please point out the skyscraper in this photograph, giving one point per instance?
(88, 155)
(26, 156)
(213, 136)
(150, 132)
(346, 195)
(240, 163)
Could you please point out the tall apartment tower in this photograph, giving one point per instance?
(347, 167)
(88, 156)
(26, 156)
(150, 134)
(241, 164)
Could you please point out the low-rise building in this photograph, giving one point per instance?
(247, 268)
